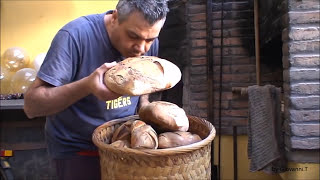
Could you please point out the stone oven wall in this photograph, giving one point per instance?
(301, 41)
(293, 28)
(238, 62)
(289, 41)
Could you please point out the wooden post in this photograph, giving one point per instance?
(257, 43)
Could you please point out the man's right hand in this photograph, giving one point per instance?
(96, 83)
(42, 99)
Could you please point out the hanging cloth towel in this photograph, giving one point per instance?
(265, 130)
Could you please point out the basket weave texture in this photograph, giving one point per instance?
(184, 162)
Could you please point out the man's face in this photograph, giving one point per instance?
(134, 36)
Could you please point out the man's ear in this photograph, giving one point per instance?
(114, 17)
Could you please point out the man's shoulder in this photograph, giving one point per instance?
(82, 23)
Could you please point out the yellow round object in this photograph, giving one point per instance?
(15, 58)
(22, 79)
(5, 80)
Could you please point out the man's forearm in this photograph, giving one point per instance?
(43, 99)
(46, 100)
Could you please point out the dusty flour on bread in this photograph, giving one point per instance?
(165, 116)
(142, 75)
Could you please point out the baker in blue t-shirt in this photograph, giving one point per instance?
(69, 87)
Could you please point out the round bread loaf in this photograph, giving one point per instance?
(164, 116)
(143, 136)
(123, 132)
(142, 75)
(177, 138)
(121, 144)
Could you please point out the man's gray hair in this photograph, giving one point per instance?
(152, 10)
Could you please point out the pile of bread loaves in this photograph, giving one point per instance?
(162, 124)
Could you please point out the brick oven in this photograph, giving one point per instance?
(217, 55)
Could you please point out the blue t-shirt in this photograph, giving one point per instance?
(79, 48)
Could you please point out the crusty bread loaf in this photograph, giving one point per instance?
(121, 144)
(143, 136)
(142, 75)
(177, 138)
(164, 116)
(123, 132)
(137, 124)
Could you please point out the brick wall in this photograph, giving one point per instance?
(301, 75)
(238, 64)
(289, 56)
(293, 28)
(173, 44)
(195, 80)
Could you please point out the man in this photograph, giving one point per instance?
(69, 87)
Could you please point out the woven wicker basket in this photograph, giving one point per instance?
(184, 162)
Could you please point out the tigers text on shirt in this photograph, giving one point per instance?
(118, 103)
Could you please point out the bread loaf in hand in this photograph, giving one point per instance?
(164, 116)
(177, 138)
(142, 75)
(143, 136)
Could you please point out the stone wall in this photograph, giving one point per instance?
(290, 44)
(301, 75)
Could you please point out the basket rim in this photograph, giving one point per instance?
(153, 152)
